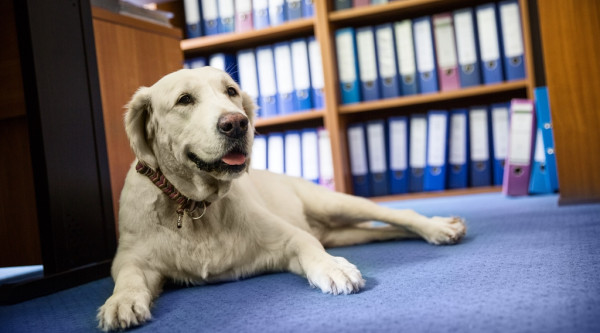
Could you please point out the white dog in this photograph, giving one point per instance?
(192, 211)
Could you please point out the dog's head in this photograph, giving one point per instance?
(193, 121)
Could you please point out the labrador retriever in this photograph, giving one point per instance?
(192, 211)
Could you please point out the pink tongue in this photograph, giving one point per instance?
(234, 159)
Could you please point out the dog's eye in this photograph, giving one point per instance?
(231, 91)
(185, 99)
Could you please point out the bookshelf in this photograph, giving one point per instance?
(335, 117)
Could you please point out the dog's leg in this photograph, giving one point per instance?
(306, 256)
(129, 305)
(352, 235)
(338, 209)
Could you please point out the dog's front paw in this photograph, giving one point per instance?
(336, 276)
(444, 230)
(124, 309)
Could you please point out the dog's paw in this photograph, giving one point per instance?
(336, 276)
(444, 230)
(123, 310)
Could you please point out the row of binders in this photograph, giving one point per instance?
(302, 153)
(459, 148)
(282, 78)
(211, 17)
(443, 52)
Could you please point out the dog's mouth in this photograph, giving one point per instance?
(234, 161)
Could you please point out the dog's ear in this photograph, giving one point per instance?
(136, 126)
(249, 106)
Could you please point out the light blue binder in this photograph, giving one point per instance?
(458, 149)
(317, 81)
(347, 65)
(386, 59)
(398, 154)
(500, 113)
(544, 125)
(260, 13)
(310, 155)
(479, 147)
(512, 40)
(193, 18)
(367, 64)
(377, 154)
(301, 74)
(425, 55)
(437, 150)
(469, 66)
(358, 159)
(266, 81)
(490, 43)
(405, 51)
(277, 12)
(417, 158)
(210, 17)
(286, 94)
(226, 16)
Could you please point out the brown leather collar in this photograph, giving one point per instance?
(185, 204)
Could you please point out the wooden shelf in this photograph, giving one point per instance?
(421, 99)
(237, 41)
(437, 194)
(290, 118)
(395, 11)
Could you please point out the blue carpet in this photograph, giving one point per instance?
(526, 265)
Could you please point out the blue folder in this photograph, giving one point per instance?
(544, 122)
(260, 15)
(358, 159)
(377, 154)
(499, 119)
(458, 149)
(405, 50)
(266, 81)
(425, 55)
(347, 65)
(316, 74)
(512, 36)
(301, 74)
(308, 8)
(294, 9)
(193, 24)
(367, 64)
(386, 58)
(310, 155)
(479, 147)
(437, 150)
(539, 181)
(398, 154)
(417, 160)
(226, 16)
(277, 12)
(210, 17)
(466, 36)
(286, 96)
(490, 43)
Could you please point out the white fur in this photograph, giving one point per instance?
(257, 222)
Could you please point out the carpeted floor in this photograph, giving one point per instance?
(526, 265)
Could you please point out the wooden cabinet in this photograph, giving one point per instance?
(571, 51)
(131, 53)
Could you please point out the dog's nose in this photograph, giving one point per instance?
(234, 125)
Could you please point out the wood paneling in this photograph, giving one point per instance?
(570, 31)
(130, 54)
